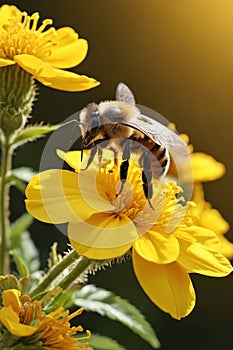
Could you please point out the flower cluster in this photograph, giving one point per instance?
(42, 52)
(23, 323)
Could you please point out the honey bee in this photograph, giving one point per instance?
(120, 126)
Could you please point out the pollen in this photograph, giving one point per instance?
(21, 35)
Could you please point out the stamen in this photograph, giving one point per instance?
(45, 23)
(35, 18)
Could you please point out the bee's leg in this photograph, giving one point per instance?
(100, 153)
(145, 164)
(92, 155)
(115, 153)
(124, 166)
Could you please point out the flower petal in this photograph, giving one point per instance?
(104, 231)
(68, 81)
(205, 167)
(73, 158)
(7, 12)
(168, 286)
(11, 321)
(53, 196)
(4, 62)
(70, 50)
(158, 247)
(199, 234)
(52, 77)
(213, 220)
(99, 253)
(10, 297)
(195, 257)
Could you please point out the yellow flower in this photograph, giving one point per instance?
(204, 166)
(212, 219)
(55, 332)
(105, 224)
(42, 52)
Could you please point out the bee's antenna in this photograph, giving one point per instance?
(71, 121)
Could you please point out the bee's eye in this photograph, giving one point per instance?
(114, 113)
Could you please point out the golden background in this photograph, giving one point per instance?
(177, 57)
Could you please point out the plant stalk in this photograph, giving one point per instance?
(4, 207)
(54, 272)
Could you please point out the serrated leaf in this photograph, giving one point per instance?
(114, 307)
(33, 132)
(101, 342)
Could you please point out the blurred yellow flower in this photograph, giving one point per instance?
(104, 224)
(205, 167)
(55, 332)
(212, 219)
(42, 52)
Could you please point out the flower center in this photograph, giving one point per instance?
(29, 310)
(21, 36)
(127, 197)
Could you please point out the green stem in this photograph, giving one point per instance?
(54, 272)
(81, 266)
(4, 207)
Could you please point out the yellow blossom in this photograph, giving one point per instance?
(55, 332)
(209, 217)
(105, 224)
(42, 52)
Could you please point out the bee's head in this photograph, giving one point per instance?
(92, 123)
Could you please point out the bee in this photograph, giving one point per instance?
(120, 126)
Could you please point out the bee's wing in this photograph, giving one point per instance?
(160, 134)
(124, 94)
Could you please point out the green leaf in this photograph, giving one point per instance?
(33, 132)
(101, 342)
(21, 266)
(22, 245)
(24, 173)
(20, 225)
(114, 307)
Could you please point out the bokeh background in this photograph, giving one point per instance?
(177, 56)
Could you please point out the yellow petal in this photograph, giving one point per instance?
(4, 62)
(97, 253)
(195, 257)
(10, 297)
(68, 81)
(52, 77)
(104, 231)
(53, 196)
(226, 247)
(7, 12)
(208, 217)
(35, 66)
(168, 286)
(200, 235)
(213, 220)
(68, 55)
(73, 158)
(206, 168)
(11, 321)
(65, 36)
(158, 247)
